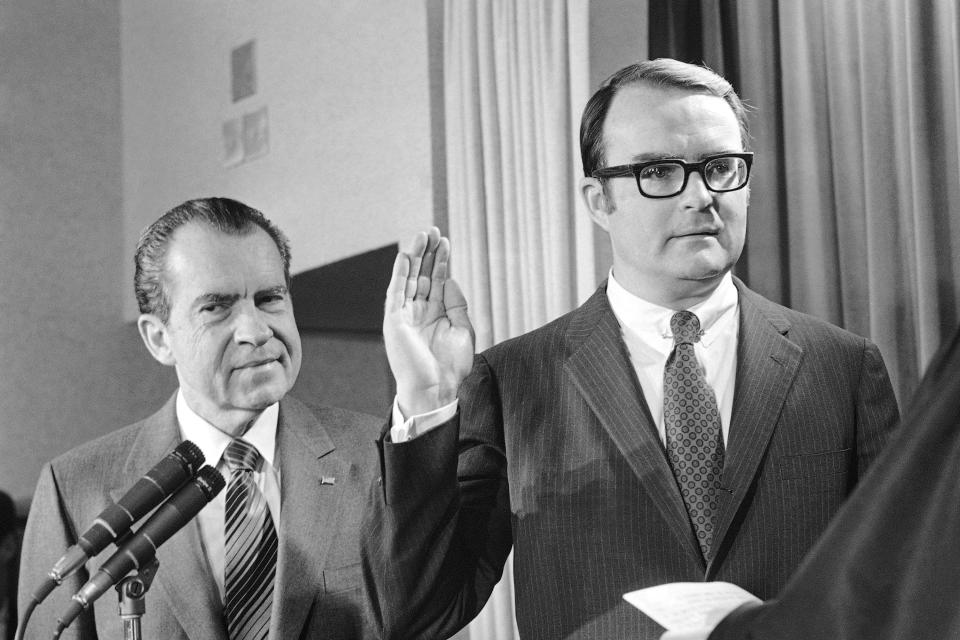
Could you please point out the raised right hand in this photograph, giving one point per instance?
(426, 329)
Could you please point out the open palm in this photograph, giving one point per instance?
(426, 329)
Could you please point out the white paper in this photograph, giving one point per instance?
(689, 606)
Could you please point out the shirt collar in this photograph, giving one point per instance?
(262, 434)
(652, 322)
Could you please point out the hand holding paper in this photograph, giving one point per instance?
(689, 610)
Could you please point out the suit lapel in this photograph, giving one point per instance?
(183, 578)
(601, 369)
(767, 363)
(313, 482)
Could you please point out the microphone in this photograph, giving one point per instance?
(141, 548)
(167, 476)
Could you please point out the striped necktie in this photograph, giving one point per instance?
(692, 423)
(251, 547)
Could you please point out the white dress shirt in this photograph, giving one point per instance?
(213, 442)
(645, 328)
(646, 331)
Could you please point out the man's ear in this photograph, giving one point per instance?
(154, 334)
(598, 203)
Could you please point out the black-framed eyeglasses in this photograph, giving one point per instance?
(667, 177)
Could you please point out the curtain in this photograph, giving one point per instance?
(853, 213)
(515, 77)
(864, 186)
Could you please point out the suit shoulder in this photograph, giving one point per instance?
(346, 427)
(550, 337)
(803, 327)
(352, 424)
(109, 448)
(817, 326)
(82, 477)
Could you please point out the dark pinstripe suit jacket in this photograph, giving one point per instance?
(318, 590)
(557, 455)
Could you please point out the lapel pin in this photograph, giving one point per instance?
(328, 480)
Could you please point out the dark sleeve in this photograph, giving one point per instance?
(436, 531)
(49, 532)
(735, 626)
(885, 568)
(877, 411)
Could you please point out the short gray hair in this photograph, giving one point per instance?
(223, 214)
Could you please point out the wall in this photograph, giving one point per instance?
(346, 89)
(60, 239)
(110, 114)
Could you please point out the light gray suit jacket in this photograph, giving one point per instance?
(318, 590)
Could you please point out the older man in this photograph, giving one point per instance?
(212, 282)
(677, 426)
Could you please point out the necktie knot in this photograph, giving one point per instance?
(685, 327)
(241, 455)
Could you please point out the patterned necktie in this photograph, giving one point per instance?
(251, 547)
(692, 421)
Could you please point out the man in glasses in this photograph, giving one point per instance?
(676, 427)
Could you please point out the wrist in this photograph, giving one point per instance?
(416, 402)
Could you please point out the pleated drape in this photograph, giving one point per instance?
(515, 77)
(511, 162)
(858, 171)
(853, 212)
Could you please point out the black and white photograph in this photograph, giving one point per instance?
(480, 319)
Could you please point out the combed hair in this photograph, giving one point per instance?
(223, 214)
(662, 73)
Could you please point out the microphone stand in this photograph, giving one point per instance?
(132, 591)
